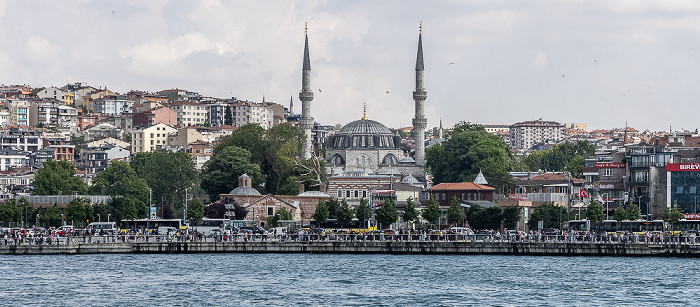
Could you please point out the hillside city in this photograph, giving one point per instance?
(92, 127)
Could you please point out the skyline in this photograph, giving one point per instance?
(594, 62)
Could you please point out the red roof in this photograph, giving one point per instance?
(461, 186)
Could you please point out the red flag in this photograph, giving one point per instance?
(583, 194)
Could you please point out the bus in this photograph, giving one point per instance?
(206, 225)
(151, 224)
(613, 226)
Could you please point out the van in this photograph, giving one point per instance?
(103, 227)
(166, 230)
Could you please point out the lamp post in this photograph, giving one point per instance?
(63, 220)
(99, 218)
(108, 215)
(184, 213)
(37, 220)
(150, 204)
(607, 207)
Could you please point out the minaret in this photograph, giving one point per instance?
(419, 96)
(440, 131)
(291, 105)
(306, 96)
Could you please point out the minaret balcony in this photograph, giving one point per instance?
(306, 95)
(420, 95)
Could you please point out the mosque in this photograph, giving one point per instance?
(367, 147)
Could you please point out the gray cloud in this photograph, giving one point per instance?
(632, 61)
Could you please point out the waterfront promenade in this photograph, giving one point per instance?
(347, 244)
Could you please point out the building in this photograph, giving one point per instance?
(370, 146)
(201, 152)
(464, 192)
(53, 93)
(354, 186)
(38, 157)
(184, 136)
(95, 159)
(22, 139)
(112, 105)
(189, 113)
(247, 112)
(19, 111)
(101, 131)
(524, 135)
(64, 149)
(150, 138)
(11, 158)
(159, 115)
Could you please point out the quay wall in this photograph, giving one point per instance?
(349, 247)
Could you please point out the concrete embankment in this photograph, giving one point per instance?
(349, 247)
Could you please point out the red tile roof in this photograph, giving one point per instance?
(461, 186)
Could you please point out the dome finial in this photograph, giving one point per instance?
(306, 27)
(364, 115)
(420, 28)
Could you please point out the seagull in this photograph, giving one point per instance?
(387, 92)
(562, 75)
(451, 63)
(319, 90)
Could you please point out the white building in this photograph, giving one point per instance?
(247, 112)
(151, 138)
(10, 158)
(189, 113)
(524, 135)
(52, 93)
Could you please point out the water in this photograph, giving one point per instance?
(350, 280)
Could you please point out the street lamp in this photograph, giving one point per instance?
(63, 220)
(184, 213)
(108, 215)
(607, 207)
(37, 220)
(99, 218)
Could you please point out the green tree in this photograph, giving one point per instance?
(511, 216)
(552, 216)
(594, 212)
(494, 217)
(127, 137)
(432, 212)
(168, 174)
(387, 213)
(282, 215)
(195, 211)
(468, 151)
(220, 174)
(119, 180)
(363, 212)
(49, 216)
(344, 215)
(455, 214)
(36, 91)
(410, 214)
(566, 156)
(484, 218)
(250, 137)
(321, 213)
(633, 212)
(77, 209)
(78, 142)
(58, 178)
(672, 215)
(620, 214)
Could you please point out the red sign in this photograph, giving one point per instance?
(583, 194)
(691, 216)
(517, 196)
(610, 165)
(683, 167)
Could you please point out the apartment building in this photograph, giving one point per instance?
(150, 138)
(524, 135)
(189, 113)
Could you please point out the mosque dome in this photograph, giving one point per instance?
(365, 126)
(365, 134)
(244, 186)
(410, 180)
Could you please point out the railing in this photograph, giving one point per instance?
(535, 237)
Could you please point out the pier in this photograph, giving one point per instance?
(367, 247)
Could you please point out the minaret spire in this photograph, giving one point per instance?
(291, 104)
(364, 114)
(419, 96)
(306, 96)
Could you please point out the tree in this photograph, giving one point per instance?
(321, 213)
(282, 215)
(78, 142)
(58, 178)
(344, 215)
(620, 213)
(119, 180)
(476, 216)
(432, 212)
(410, 214)
(633, 212)
(195, 211)
(220, 174)
(79, 209)
(552, 216)
(594, 212)
(455, 214)
(468, 151)
(217, 210)
(240, 212)
(387, 214)
(168, 174)
(126, 137)
(511, 216)
(672, 215)
(566, 156)
(363, 212)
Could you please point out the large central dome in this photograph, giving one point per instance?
(365, 126)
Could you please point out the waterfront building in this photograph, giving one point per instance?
(465, 192)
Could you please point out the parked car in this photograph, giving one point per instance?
(64, 230)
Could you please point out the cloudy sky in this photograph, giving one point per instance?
(597, 62)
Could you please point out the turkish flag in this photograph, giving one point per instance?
(583, 194)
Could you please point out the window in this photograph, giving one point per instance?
(692, 190)
(356, 194)
(270, 211)
(679, 190)
(607, 172)
(340, 193)
(444, 196)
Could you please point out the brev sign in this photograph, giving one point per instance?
(683, 167)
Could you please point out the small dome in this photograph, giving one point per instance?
(407, 160)
(244, 191)
(409, 180)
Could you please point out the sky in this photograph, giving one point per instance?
(603, 63)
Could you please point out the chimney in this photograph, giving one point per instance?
(323, 187)
(301, 188)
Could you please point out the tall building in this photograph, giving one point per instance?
(306, 96)
(419, 96)
(524, 135)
